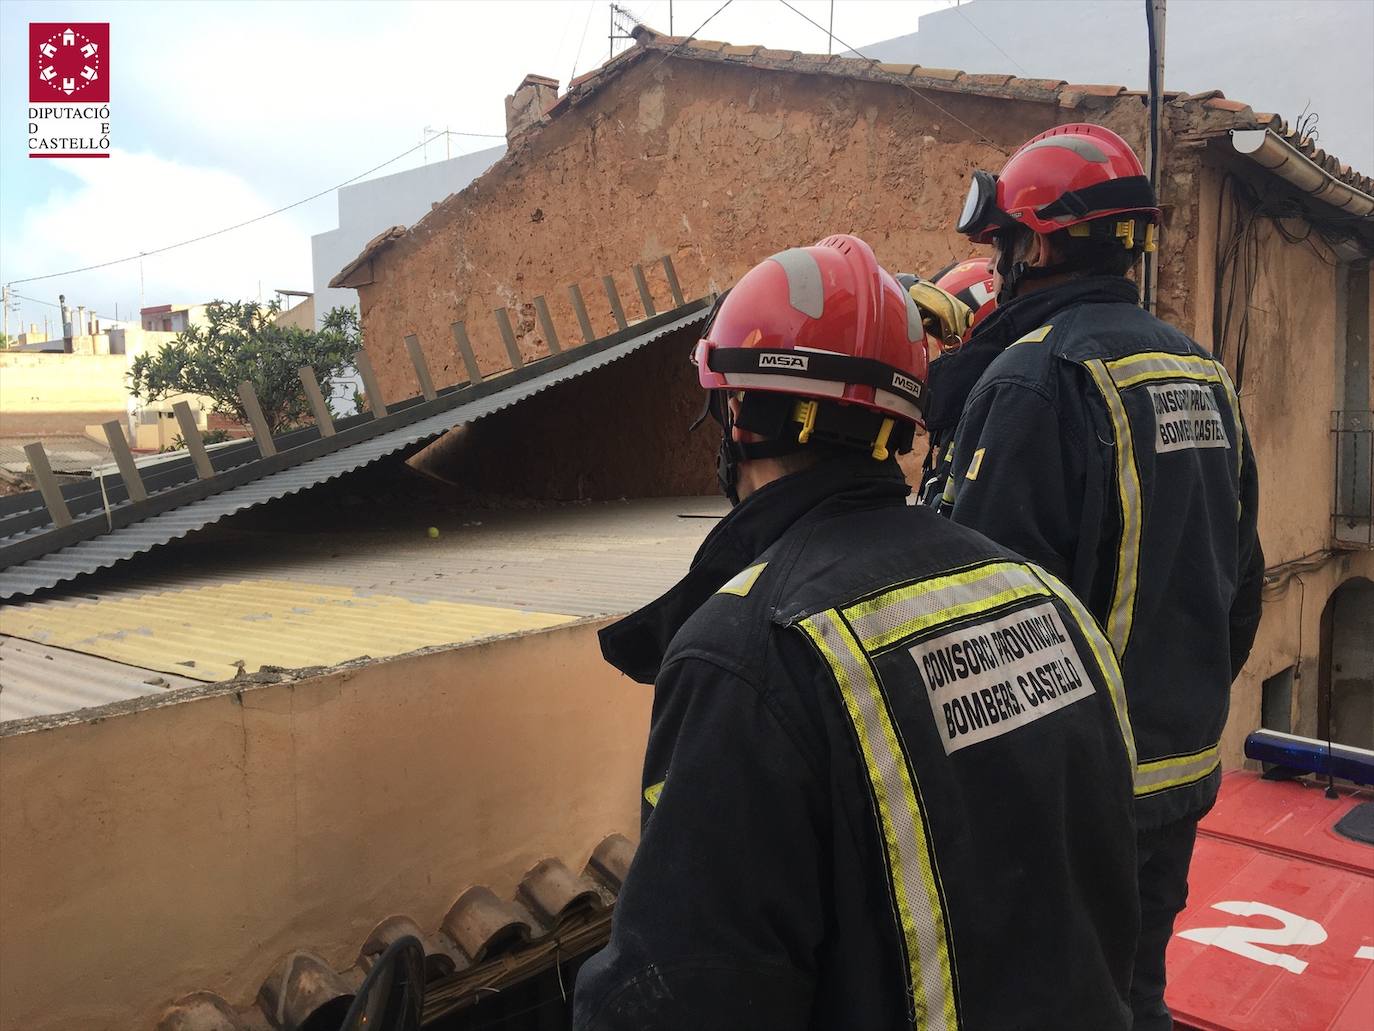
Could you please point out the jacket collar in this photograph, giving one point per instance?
(636, 644)
(953, 377)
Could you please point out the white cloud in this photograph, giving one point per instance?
(137, 201)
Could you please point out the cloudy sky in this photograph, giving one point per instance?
(224, 111)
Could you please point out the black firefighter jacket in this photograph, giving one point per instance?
(1108, 447)
(887, 783)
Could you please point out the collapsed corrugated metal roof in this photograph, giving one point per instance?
(253, 600)
(39, 680)
(108, 528)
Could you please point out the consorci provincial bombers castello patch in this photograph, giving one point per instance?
(988, 679)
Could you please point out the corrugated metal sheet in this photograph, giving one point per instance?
(211, 633)
(123, 543)
(584, 560)
(36, 680)
(364, 592)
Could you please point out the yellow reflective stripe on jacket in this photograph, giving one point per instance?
(904, 611)
(1122, 610)
(1102, 653)
(911, 861)
(1149, 365)
(1162, 774)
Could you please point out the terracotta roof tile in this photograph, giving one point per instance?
(775, 56)
(1050, 85)
(706, 44)
(485, 943)
(743, 51)
(898, 69)
(1222, 104)
(815, 60)
(375, 246)
(552, 892)
(1094, 89)
(484, 925)
(986, 80)
(941, 74)
(584, 77)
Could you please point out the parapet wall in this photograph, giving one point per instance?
(190, 844)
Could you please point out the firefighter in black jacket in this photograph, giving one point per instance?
(1108, 447)
(888, 776)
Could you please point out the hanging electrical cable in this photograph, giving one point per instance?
(259, 218)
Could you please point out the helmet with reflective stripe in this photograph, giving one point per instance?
(825, 323)
(971, 282)
(1067, 176)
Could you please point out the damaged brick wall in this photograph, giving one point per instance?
(717, 165)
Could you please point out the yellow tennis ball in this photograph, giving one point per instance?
(433, 531)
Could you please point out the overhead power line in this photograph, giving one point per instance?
(259, 218)
(873, 61)
(974, 26)
(693, 35)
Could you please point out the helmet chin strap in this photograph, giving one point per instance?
(1016, 273)
(729, 454)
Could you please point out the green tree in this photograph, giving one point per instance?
(243, 341)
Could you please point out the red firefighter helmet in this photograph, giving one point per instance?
(1067, 176)
(971, 282)
(825, 323)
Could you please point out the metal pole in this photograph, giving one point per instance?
(670, 17)
(830, 32)
(1154, 15)
(6, 301)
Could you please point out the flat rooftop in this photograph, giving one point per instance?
(231, 602)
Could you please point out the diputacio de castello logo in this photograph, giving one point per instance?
(69, 89)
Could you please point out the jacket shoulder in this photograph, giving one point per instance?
(822, 566)
(850, 557)
(1118, 330)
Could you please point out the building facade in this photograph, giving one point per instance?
(719, 155)
(369, 207)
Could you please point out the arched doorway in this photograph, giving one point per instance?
(1345, 698)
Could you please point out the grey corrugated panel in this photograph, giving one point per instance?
(577, 560)
(36, 680)
(582, 560)
(124, 543)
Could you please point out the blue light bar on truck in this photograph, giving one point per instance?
(1307, 755)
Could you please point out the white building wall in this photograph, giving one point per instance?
(1274, 56)
(367, 208)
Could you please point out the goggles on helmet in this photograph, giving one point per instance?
(981, 216)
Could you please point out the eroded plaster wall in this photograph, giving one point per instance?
(1290, 634)
(1288, 389)
(191, 845)
(717, 165)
